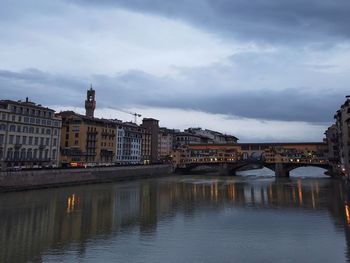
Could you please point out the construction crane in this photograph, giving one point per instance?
(128, 112)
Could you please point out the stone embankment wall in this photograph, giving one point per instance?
(24, 180)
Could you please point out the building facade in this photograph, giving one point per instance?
(146, 145)
(165, 144)
(333, 151)
(129, 142)
(87, 139)
(213, 136)
(186, 138)
(29, 135)
(341, 140)
(152, 127)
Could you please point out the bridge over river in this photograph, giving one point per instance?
(228, 158)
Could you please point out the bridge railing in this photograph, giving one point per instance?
(297, 160)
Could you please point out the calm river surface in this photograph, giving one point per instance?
(197, 218)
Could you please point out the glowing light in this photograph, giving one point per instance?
(300, 192)
(347, 213)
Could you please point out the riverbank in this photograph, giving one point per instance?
(36, 179)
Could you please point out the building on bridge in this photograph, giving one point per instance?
(280, 157)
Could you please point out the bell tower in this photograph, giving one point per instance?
(90, 103)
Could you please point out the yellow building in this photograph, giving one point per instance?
(87, 139)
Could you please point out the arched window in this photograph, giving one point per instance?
(9, 153)
(23, 154)
(29, 154)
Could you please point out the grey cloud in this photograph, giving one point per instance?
(281, 21)
(141, 89)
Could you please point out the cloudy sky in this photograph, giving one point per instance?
(262, 70)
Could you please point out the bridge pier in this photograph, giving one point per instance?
(226, 170)
(281, 170)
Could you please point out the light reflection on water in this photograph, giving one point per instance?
(180, 219)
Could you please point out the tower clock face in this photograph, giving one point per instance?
(90, 98)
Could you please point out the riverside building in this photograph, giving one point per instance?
(29, 135)
(151, 126)
(85, 138)
(129, 142)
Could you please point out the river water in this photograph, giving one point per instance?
(201, 218)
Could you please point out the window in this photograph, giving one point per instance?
(53, 154)
(18, 139)
(4, 116)
(19, 128)
(37, 121)
(55, 132)
(19, 118)
(67, 136)
(76, 142)
(35, 153)
(47, 141)
(25, 129)
(32, 120)
(31, 129)
(24, 140)
(12, 128)
(29, 154)
(2, 127)
(42, 141)
(13, 118)
(43, 122)
(46, 153)
(48, 131)
(37, 130)
(1, 138)
(26, 119)
(54, 142)
(42, 131)
(9, 153)
(30, 140)
(36, 141)
(23, 154)
(76, 135)
(11, 139)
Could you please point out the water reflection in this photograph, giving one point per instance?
(50, 222)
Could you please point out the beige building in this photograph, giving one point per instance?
(165, 144)
(29, 135)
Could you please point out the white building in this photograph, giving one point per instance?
(129, 141)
